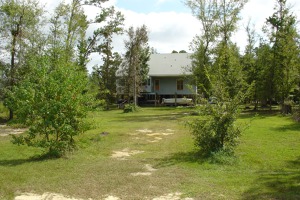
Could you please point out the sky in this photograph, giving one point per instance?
(172, 26)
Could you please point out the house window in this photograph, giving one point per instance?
(180, 84)
(156, 84)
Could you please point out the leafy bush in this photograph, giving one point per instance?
(51, 102)
(216, 130)
(130, 108)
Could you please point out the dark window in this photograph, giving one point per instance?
(180, 84)
(156, 84)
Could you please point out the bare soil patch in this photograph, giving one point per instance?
(6, 130)
(45, 196)
(172, 196)
(53, 196)
(148, 171)
(125, 153)
(144, 131)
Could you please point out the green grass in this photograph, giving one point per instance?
(267, 164)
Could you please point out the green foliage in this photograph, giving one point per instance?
(130, 108)
(103, 79)
(20, 26)
(223, 158)
(216, 129)
(3, 112)
(217, 71)
(134, 69)
(284, 40)
(51, 102)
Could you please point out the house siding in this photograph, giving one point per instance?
(168, 86)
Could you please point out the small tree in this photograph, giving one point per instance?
(217, 130)
(134, 67)
(51, 102)
(218, 72)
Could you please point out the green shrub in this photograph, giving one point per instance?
(52, 103)
(215, 129)
(130, 108)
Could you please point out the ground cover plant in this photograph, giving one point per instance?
(151, 154)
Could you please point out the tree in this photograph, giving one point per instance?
(285, 50)
(264, 80)
(134, 67)
(227, 64)
(105, 75)
(216, 131)
(68, 27)
(217, 67)
(204, 43)
(50, 100)
(20, 20)
(104, 79)
(251, 68)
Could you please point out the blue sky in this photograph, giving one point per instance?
(148, 6)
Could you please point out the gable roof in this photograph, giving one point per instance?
(173, 64)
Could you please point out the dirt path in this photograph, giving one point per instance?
(53, 196)
(146, 170)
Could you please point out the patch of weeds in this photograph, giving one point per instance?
(222, 158)
(131, 108)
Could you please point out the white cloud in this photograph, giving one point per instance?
(167, 30)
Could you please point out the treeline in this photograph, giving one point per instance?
(270, 64)
(266, 73)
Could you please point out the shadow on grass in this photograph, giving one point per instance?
(283, 184)
(291, 127)
(21, 161)
(182, 157)
(258, 114)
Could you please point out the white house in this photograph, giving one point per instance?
(168, 78)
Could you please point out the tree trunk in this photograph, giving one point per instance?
(286, 109)
(12, 69)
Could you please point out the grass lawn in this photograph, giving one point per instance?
(150, 153)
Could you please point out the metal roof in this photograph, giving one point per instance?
(173, 64)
